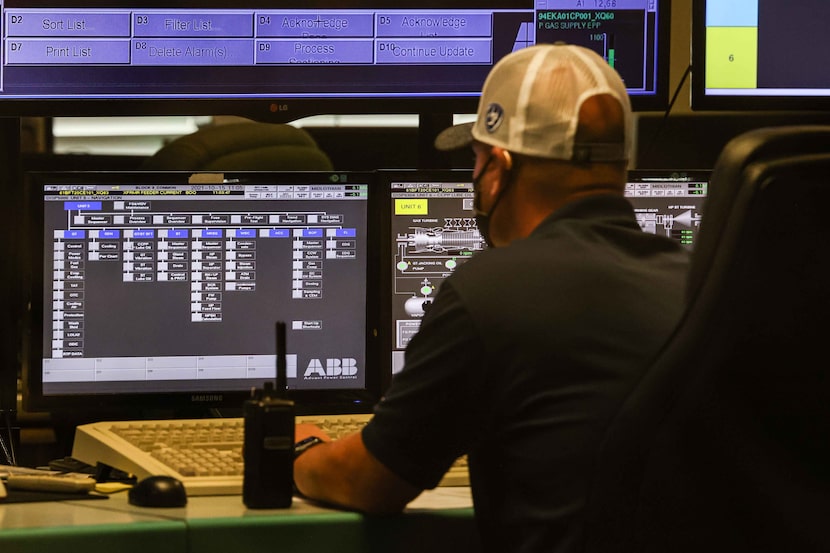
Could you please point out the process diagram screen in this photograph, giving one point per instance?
(433, 231)
(669, 203)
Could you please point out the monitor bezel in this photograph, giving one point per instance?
(701, 101)
(286, 109)
(360, 400)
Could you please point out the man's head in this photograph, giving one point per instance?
(531, 101)
(554, 119)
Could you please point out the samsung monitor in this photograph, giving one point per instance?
(162, 290)
(85, 57)
(760, 55)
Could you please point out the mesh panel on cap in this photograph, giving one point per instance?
(550, 123)
(541, 90)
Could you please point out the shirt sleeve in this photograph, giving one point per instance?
(427, 418)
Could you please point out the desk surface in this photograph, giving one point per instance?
(439, 520)
(75, 526)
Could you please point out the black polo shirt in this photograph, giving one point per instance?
(522, 360)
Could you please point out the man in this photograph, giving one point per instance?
(530, 346)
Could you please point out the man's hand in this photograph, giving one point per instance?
(344, 473)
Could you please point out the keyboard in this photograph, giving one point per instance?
(205, 454)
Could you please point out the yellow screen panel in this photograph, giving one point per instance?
(732, 57)
(411, 206)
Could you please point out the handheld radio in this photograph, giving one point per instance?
(268, 447)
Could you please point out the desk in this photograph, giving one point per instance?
(73, 526)
(439, 521)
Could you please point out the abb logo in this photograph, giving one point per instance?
(332, 367)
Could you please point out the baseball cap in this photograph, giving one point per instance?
(530, 105)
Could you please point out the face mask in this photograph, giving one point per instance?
(482, 217)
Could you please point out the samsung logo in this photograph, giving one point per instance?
(203, 398)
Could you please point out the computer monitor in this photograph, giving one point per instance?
(162, 290)
(85, 57)
(669, 202)
(432, 230)
(760, 55)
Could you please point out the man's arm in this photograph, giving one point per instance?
(344, 473)
(420, 426)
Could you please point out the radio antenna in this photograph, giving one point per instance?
(282, 363)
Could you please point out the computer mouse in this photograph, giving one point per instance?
(158, 491)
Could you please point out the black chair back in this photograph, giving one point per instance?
(725, 443)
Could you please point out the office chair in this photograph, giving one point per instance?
(724, 445)
(245, 146)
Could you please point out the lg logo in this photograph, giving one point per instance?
(332, 367)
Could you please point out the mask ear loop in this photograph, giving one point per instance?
(508, 160)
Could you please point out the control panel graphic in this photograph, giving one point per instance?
(433, 231)
(671, 206)
(183, 282)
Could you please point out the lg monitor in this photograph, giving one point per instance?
(76, 57)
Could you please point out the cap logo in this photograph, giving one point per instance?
(493, 117)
